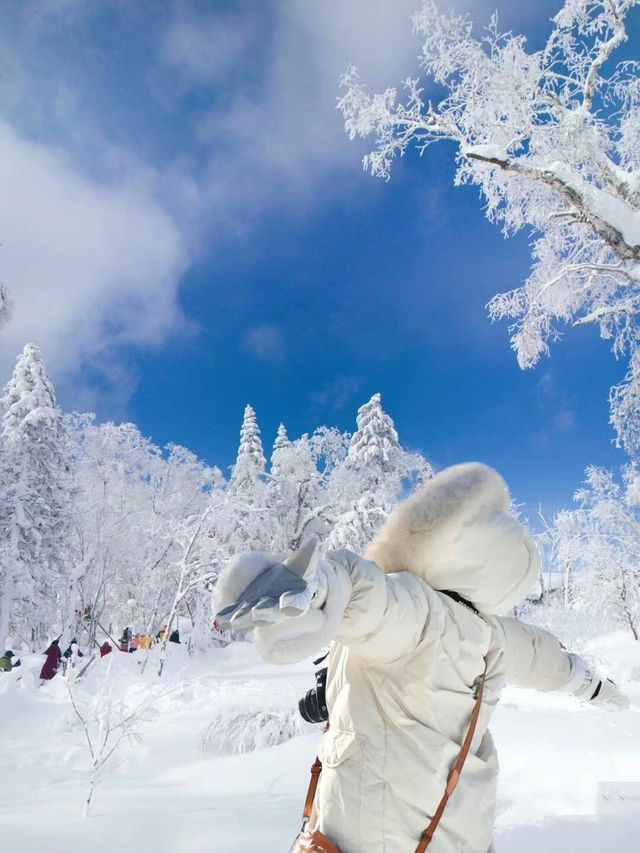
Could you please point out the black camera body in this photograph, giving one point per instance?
(313, 705)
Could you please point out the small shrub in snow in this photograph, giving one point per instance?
(233, 731)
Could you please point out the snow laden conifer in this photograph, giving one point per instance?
(36, 498)
(281, 447)
(247, 522)
(374, 446)
(250, 462)
(374, 473)
(281, 488)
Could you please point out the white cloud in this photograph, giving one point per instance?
(273, 132)
(98, 218)
(90, 266)
(335, 395)
(207, 47)
(553, 402)
(265, 341)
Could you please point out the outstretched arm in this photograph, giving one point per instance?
(300, 604)
(386, 615)
(535, 658)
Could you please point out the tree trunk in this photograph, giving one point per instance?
(567, 583)
(92, 787)
(628, 613)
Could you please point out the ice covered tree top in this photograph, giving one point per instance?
(28, 399)
(282, 439)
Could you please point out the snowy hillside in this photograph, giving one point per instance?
(174, 791)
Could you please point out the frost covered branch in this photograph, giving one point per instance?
(552, 139)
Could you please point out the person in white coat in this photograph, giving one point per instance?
(412, 629)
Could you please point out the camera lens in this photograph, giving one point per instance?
(313, 705)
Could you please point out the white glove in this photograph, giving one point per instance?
(595, 689)
(272, 589)
(295, 604)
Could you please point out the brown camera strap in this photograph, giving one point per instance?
(316, 770)
(452, 781)
(454, 776)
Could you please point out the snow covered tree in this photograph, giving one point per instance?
(35, 511)
(118, 541)
(374, 473)
(134, 503)
(295, 491)
(246, 522)
(250, 462)
(552, 139)
(598, 547)
(374, 447)
(281, 487)
(281, 447)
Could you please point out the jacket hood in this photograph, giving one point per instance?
(458, 534)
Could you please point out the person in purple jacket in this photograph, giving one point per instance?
(52, 663)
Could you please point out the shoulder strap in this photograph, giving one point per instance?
(316, 770)
(452, 781)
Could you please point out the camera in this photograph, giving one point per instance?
(313, 705)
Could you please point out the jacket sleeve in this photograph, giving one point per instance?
(386, 615)
(535, 658)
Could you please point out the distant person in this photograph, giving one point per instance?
(72, 651)
(174, 637)
(105, 649)
(6, 662)
(52, 663)
(125, 640)
(135, 643)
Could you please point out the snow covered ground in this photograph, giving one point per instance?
(176, 792)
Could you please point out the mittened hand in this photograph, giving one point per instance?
(608, 696)
(274, 589)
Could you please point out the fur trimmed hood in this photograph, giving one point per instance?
(457, 534)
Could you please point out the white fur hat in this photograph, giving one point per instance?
(457, 534)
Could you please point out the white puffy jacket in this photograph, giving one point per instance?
(400, 693)
(405, 660)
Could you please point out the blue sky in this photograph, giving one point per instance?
(187, 229)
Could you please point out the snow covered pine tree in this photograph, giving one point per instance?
(375, 471)
(36, 498)
(247, 518)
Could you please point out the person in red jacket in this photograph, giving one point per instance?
(52, 663)
(105, 649)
